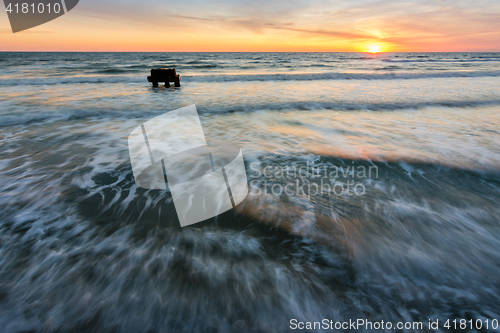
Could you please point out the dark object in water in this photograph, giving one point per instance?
(166, 75)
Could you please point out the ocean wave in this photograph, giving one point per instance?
(115, 71)
(195, 65)
(335, 76)
(248, 77)
(112, 248)
(91, 250)
(443, 60)
(71, 80)
(48, 116)
(343, 106)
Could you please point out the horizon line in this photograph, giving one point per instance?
(58, 51)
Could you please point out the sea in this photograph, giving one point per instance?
(374, 194)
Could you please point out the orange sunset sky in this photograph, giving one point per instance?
(291, 25)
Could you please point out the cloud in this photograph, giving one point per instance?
(331, 33)
(257, 24)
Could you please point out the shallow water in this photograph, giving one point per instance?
(415, 237)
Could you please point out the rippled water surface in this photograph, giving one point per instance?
(375, 190)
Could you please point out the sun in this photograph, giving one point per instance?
(374, 48)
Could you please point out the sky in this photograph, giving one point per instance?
(258, 25)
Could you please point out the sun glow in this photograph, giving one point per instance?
(374, 48)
